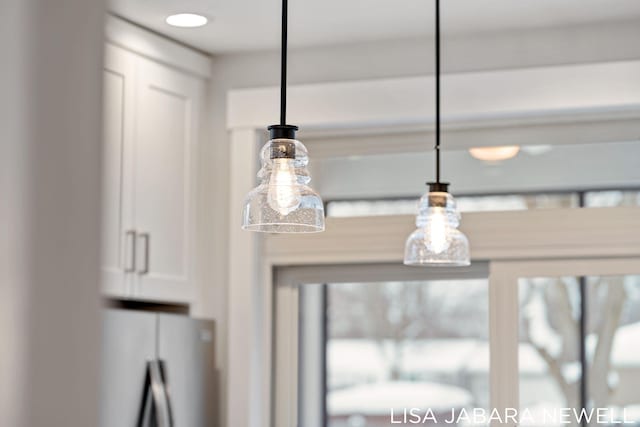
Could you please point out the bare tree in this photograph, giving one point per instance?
(560, 319)
(599, 388)
(397, 313)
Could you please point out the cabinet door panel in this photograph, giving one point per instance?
(167, 131)
(117, 135)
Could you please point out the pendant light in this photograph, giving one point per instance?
(437, 240)
(283, 202)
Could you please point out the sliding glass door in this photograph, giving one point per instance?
(513, 342)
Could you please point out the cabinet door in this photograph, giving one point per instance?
(118, 93)
(167, 130)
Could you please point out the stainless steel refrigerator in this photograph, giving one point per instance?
(157, 370)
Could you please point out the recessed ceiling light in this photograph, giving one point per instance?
(494, 154)
(186, 20)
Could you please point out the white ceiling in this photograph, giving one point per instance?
(238, 25)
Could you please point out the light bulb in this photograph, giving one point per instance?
(436, 231)
(283, 195)
(436, 240)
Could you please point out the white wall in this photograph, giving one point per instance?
(380, 60)
(50, 134)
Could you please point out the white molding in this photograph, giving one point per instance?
(499, 98)
(246, 296)
(379, 272)
(504, 380)
(535, 234)
(152, 46)
(286, 355)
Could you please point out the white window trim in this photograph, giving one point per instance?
(575, 234)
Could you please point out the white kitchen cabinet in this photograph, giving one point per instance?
(152, 130)
(169, 105)
(117, 203)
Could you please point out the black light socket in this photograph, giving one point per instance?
(282, 131)
(438, 187)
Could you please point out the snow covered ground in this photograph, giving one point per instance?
(359, 373)
(381, 398)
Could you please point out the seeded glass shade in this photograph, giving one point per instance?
(437, 240)
(283, 202)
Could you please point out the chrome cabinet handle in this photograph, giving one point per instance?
(147, 239)
(132, 254)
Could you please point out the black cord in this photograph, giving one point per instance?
(437, 147)
(283, 65)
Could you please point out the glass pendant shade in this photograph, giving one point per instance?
(437, 240)
(283, 202)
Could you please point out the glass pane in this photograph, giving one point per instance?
(350, 208)
(613, 346)
(509, 202)
(393, 346)
(551, 373)
(516, 202)
(549, 349)
(597, 199)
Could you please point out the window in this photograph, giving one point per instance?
(579, 346)
(382, 337)
(549, 347)
(349, 208)
(481, 203)
(509, 202)
(596, 199)
(405, 345)
(393, 344)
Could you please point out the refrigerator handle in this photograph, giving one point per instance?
(160, 394)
